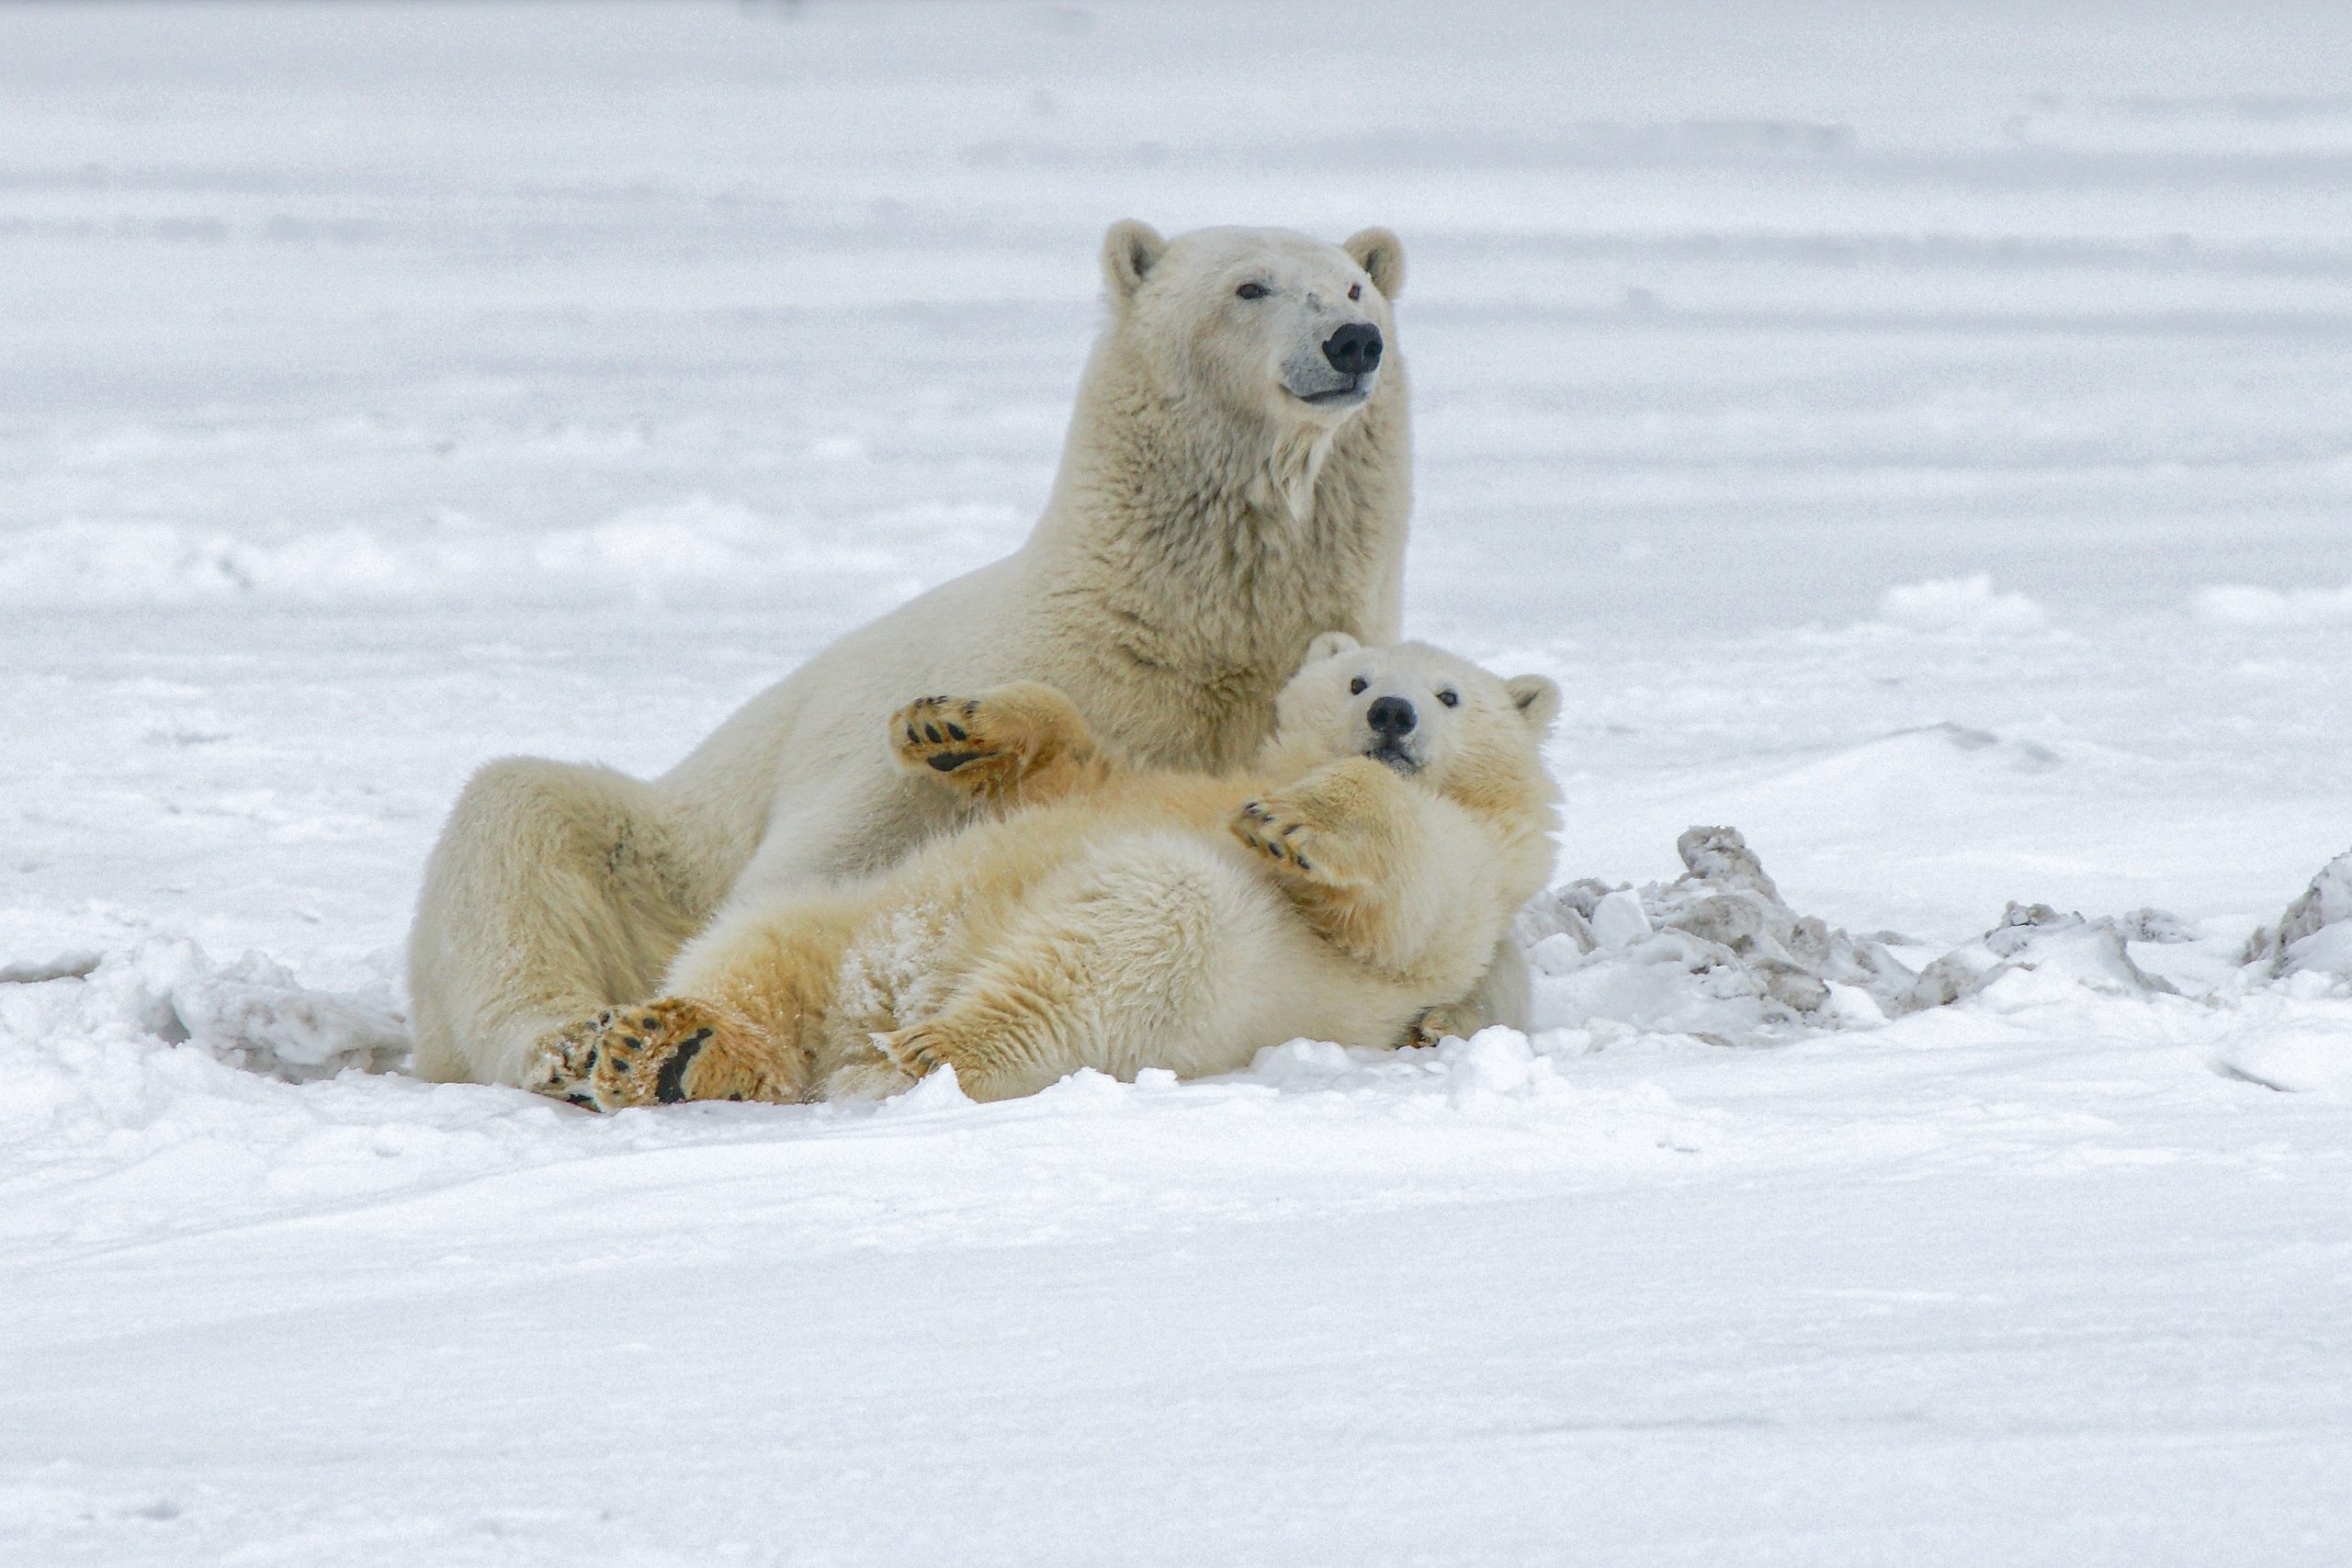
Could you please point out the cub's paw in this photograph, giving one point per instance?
(1298, 849)
(656, 1052)
(962, 738)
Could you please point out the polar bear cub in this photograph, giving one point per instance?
(1097, 914)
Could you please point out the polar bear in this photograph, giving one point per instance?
(1102, 915)
(1234, 479)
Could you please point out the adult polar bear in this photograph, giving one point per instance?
(1235, 480)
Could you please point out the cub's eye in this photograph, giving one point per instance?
(1451, 699)
(1250, 292)
(1356, 686)
(1355, 290)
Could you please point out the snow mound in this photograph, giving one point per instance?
(250, 1013)
(2315, 935)
(1498, 1062)
(2240, 605)
(2037, 953)
(1498, 1077)
(693, 541)
(2293, 1045)
(1907, 759)
(1716, 954)
(1959, 604)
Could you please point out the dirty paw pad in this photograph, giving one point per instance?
(658, 1054)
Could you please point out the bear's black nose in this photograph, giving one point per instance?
(1391, 717)
(1354, 349)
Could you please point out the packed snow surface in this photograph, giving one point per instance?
(1916, 438)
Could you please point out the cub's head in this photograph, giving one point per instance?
(1263, 321)
(1421, 710)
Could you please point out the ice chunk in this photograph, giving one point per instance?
(1716, 953)
(1618, 920)
(2039, 940)
(2314, 934)
(2155, 925)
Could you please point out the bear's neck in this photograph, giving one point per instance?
(1212, 547)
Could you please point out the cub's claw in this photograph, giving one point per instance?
(1282, 838)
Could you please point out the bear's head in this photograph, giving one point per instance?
(1429, 714)
(1261, 323)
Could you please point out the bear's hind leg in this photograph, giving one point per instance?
(555, 890)
(1116, 966)
(743, 1006)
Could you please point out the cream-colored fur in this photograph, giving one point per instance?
(1099, 915)
(1206, 522)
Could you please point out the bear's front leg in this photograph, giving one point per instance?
(1334, 829)
(659, 1053)
(1015, 744)
(1338, 841)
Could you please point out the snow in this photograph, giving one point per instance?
(1914, 437)
(1960, 604)
(2245, 606)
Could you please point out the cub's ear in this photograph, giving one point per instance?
(1130, 249)
(1329, 645)
(1537, 698)
(1382, 255)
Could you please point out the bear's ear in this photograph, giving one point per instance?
(1537, 698)
(1382, 255)
(1329, 645)
(1129, 252)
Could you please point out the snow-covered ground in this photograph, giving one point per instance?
(1916, 437)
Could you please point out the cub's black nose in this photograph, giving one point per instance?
(1391, 717)
(1354, 349)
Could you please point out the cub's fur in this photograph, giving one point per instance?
(1103, 915)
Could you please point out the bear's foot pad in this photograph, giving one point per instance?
(656, 1052)
(961, 736)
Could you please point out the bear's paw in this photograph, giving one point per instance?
(656, 1052)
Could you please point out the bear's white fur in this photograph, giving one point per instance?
(1098, 915)
(1223, 496)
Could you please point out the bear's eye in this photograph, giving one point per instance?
(1250, 292)
(1451, 699)
(1356, 686)
(1355, 290)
